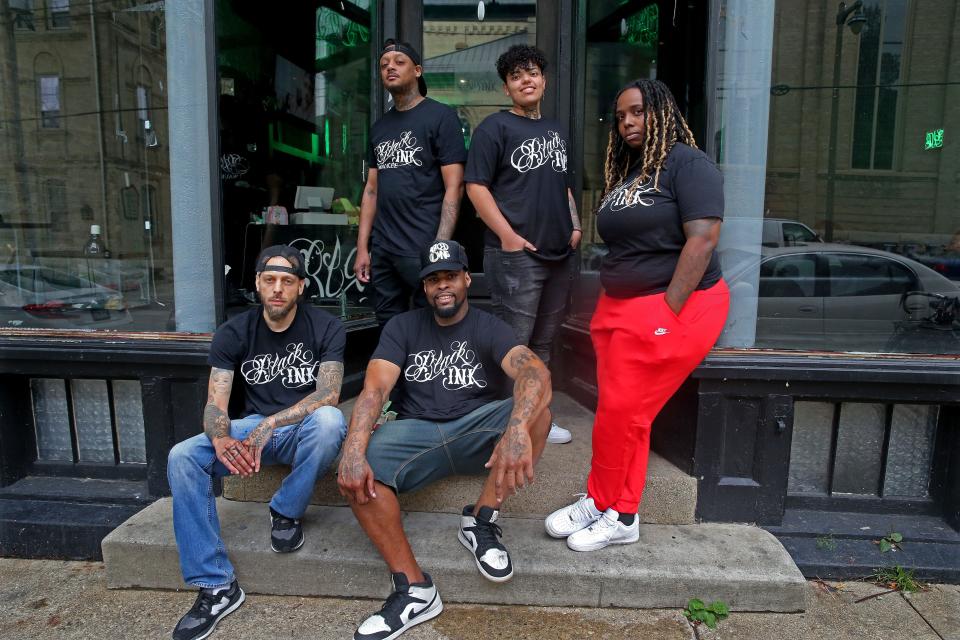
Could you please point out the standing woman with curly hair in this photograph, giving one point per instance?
(663, 304)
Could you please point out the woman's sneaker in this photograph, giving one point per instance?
(407, 606)
(604, 532)
(572, 518)
(558, 435)
(208, 609)
(482, 536)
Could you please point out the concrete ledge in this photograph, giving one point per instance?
(742, 565)
(670, 496)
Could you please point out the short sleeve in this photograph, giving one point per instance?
(391, 346)
(483, 159)
(334, 343)
(450, 147)
(698, 187)
(501, 338)
(371, 158)
(226, 348)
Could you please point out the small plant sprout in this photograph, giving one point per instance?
(897, 578)
(889, 542)
(826, 543)
(699, 613)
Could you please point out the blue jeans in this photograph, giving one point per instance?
(309, 447)
(529, 294)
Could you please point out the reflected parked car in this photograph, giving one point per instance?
(38, 296)
(844, 298)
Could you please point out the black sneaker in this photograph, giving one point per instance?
(207, 611)
(482, 537)
(408, 605)
(286, 534)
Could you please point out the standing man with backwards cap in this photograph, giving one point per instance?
(452, 366)
(414, 185)
(291, 360)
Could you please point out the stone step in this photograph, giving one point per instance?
(742, 565)
(670, 496)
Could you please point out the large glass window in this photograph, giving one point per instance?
(294, 107)
(74, 252)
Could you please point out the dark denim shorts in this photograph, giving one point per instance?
(410, 454)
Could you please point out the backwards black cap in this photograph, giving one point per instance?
(405, 48)
(286, 252)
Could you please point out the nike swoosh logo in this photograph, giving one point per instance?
(415, 612)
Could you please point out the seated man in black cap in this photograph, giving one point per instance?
(412, 196)
(291, 360)
(452, 366)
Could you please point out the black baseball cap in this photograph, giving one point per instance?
(286, 252)
(443, 255)
(407, 49)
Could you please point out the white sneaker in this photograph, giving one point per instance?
(572, 518)
(605, 531)
(558, 435)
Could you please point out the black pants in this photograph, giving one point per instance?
(395, 280)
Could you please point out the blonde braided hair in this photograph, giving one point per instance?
(664, 127)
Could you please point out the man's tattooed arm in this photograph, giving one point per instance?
(453, 193)
(216, 423)
(327, 393)
(577, 232)
(702, 238)
(354, 475)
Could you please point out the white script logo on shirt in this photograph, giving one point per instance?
(392, 154)
(294, 369)
(536, 152)
(458, 369)
(621, 197)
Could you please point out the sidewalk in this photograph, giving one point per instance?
(69, 600)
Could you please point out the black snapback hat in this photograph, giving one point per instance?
(405, 48)
(286, 252)
(443, 255)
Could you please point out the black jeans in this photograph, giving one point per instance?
(529, 294)
(395, 279)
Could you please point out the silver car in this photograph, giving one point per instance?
(39, 296)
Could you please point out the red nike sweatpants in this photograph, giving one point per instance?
(644, 353)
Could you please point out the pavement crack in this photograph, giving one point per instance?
(922, 617)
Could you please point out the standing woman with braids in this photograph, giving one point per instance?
(663, 304)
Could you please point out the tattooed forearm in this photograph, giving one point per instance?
(327, 393)
(365, 414)
(702, 236)
(216, 423)
(574, 217)
(449, 212)
(531, 387)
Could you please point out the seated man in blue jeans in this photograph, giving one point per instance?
(452, 366)
(291, 360)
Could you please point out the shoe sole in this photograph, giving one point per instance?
(600, 545)
(559, 535)
(551, 440)
(466, 543)
(427, 614)
(224, 614)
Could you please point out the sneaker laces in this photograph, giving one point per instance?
(205, 601)
(283, 522)
(579, 510)
(487, 533)
(393, 604)
(603, 523)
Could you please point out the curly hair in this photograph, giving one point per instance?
(520, 56)
(665, 126)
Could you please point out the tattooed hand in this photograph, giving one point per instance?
(355, 477)
(256, 442)
(233, 455)
(512, 461)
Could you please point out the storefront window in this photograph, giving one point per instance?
(294, 108)
(77, 251)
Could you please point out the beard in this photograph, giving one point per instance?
(277, 314)
(448, 312)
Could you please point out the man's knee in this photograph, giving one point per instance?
(326, 424)
(182, 463)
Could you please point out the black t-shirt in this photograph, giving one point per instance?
(524, 164)
(644, 229)
(278, 368)
(446, 371)
(408, 148)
